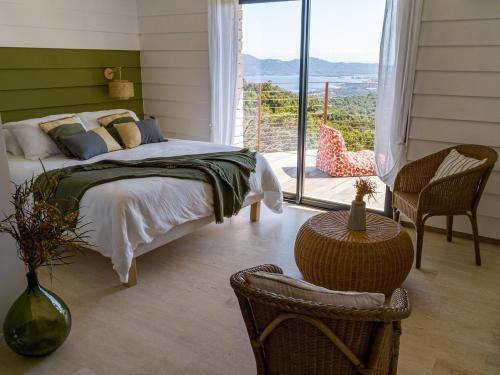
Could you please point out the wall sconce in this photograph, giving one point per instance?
(118, 88)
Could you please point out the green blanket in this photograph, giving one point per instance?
(227, 172)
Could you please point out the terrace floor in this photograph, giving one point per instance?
(318, 184)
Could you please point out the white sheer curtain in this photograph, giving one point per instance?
(398, 55)
(223, 29)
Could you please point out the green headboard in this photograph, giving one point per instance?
(36, 82)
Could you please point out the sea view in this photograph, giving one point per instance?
(360, 84)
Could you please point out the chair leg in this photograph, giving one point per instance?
(449, 228)
(475, 233)
(420, 240)
(395, 215)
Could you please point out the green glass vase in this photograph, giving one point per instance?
(38, 322)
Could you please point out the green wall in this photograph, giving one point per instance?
(36, 82)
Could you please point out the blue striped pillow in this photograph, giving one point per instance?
(92, 143)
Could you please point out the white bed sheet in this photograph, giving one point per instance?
(129, 214)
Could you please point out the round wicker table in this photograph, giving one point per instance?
(332, 256)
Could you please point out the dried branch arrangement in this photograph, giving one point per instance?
(44, 236)
(365, 187)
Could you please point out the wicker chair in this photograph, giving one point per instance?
(297, 337)
(458, 194)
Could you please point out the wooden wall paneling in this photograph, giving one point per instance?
(36, 82)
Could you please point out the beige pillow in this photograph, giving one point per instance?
(111, 120)
(90, 119)
(129, 133)
(455, 163)
(290, 287)
(110, 142)
(115, 118)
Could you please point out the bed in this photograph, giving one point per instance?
(131, 217)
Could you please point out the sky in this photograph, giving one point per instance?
(341, 30)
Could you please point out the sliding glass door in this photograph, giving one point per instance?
(270, 57)
(310, 78)
(342, 91)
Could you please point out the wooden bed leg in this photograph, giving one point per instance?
(132, 275)
(255, 212)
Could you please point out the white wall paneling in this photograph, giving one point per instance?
(198, 77)
(457, 107)
(91, 24)
(173, 92)
(174, 23)
(174, 41)
(454, 131)
(484, 84)
(154, 8)
(449, 59)
(447, 10)
(175, 108)
(457, 90)
(461, 33)
(175, 68)
(174, 59)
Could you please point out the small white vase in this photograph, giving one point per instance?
(357, 215)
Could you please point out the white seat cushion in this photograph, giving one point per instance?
(298, 289)
(455, 163)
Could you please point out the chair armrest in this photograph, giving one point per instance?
(414, 176)
(400, 301)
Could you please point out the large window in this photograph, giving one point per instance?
(310, 77)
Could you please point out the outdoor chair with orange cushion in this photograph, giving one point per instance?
(418, 196)
(334, 159)
(297, 336)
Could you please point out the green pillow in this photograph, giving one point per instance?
(62, 128)
(115, 118)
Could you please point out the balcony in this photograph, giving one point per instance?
(269, 119)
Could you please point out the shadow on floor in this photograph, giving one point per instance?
(310, 172)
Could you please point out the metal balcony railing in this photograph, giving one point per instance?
(270, 114)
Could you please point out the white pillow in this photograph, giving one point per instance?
(32, 139)
(11, 144)
(455, 163)
(89, 119)
(290, 287)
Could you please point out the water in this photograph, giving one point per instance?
(361, 84)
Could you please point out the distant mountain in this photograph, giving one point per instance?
(317, 67)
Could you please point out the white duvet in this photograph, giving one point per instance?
(127, 214)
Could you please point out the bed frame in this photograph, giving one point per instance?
(183, 230)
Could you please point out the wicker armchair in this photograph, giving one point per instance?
(297, 337)
(458, 194)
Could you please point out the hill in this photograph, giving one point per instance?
(317, 67)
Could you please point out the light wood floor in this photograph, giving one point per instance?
(183, 318)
